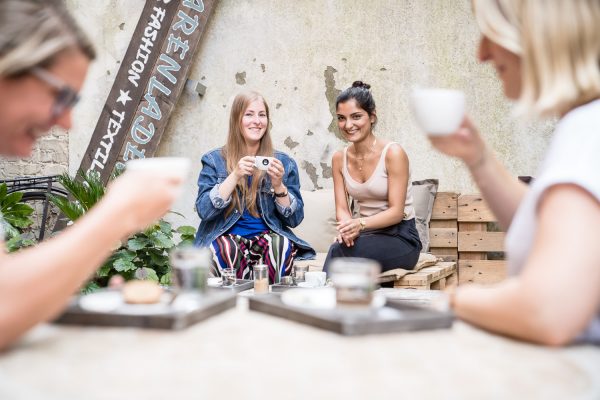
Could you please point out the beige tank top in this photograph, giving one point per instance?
(372, 195)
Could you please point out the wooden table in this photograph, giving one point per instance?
(247, 355)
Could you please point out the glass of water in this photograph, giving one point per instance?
(228, 276)
(354, 280)
(190, 268)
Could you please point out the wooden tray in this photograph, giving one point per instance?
(240, 286)
(177, 316)
(393, 317)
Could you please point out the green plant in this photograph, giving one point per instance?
(144, 255)
(15, 217)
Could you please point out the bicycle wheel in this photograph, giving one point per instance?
(45, 214)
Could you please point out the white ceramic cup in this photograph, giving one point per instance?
(171, 166)
(262, 162)
(438, 112)
(315, 278)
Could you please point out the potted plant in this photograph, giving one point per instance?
(144, 255)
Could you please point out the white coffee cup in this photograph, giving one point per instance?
(315, 278)
(262, 162)
(438, 112)
(172, 166)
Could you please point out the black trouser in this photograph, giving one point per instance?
(397, 246)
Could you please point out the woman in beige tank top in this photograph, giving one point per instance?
(376, 174)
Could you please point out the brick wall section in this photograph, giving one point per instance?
(49, 157)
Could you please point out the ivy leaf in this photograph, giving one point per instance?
(137, 243)
(165, 279)
(123, 265)
(165, 227)
(124, 254)
(187, 230)
(104, 270)
(158, 259)
(146, 274)
(161, 240)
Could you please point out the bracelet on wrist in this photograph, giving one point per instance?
(280, 194)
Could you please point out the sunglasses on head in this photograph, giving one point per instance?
(66, 97)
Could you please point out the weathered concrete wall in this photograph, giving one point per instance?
(300, 54)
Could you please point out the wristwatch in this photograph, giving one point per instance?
(282, 194)
(363, 224)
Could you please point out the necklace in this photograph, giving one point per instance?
(361, 160)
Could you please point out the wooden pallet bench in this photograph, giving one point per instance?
(437, 277)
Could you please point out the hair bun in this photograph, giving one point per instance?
(361, 84)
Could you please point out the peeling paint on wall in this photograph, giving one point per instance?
(311, 171)
(309, 133)
(289, 142)
(240, 78)
(277, 106)
(326, 170)
(262, 67)
(331, 93)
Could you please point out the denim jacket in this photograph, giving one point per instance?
(211, 207)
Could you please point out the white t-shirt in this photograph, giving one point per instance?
(573, 157)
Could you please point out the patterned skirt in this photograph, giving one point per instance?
(233, 251)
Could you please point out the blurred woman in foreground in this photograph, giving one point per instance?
(44, 57)
(547, 55)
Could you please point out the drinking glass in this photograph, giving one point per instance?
(190, 268)
(298, 272)
(228, 276)
(354, 280)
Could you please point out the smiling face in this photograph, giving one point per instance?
(254, 122)
(27, 102)
(506, 63)
(354, 122)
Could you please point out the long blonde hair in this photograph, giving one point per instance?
(559, 45)
(235, 148)
(34, 32)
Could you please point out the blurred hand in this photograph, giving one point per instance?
(244, 167)
(140, 198)
(466, 143)
(275, 172)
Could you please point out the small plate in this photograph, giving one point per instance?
(322, 298)
(215, 281)
(308, 285)
(112, 302)
(314, 298)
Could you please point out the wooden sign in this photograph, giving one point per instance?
(151, 78)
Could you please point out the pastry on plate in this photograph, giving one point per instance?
(142, 292)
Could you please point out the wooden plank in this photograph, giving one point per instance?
(443, 237)
(443, 223)
(452, 280)
(473, 208)
(447, 254)
(116, 116)
(469, 227)
(481, 271)
(445, 206)
(439, 284)
(480, 242)
(154, 71)
(168, 79)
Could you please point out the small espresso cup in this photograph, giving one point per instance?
(262, 162)
(315, 278)
(438, 112)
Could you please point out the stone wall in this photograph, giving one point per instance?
(50, 157)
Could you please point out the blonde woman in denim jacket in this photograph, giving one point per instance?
(247, 212)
